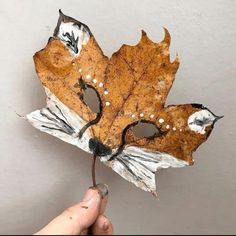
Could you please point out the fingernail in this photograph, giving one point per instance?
(103, 189)
(88, 195)
(105, 226)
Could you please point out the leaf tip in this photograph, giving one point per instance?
(176, 60)
(145, 38)
(143, 33)
(177, 56)
(61, 13)
(154, 193)
(167, 36)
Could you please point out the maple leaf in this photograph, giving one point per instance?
(132, 87)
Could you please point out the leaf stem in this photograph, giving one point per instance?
(93, 170)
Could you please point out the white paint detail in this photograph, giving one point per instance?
(95, 81)
(203, 116)
(40, 122)
(161, 120)
(141, 115)
(100, 85)
(133, 115)
(108, 103)
(88, 76)
(143, 163)
(80, 32)
(168, 126)
(174, 129)
(105, 92)
(80, 70)
(151, 116)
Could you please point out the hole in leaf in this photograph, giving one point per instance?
(145, 130)
(91, 99)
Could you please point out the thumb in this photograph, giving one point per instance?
(80, 216)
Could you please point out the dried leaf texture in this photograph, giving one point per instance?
(138, 79)
(132, 87)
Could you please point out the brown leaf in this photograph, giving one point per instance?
(132, 87)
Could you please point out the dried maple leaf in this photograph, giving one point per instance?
(132, 87)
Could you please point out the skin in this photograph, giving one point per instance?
(86, 217)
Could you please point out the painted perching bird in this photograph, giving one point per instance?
(132, 87)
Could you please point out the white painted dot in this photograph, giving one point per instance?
(180, 130)
(88, 76)
(167, 126)
(133, 115)
(73, 63)
(105, 92)
(107, 103)
(100, 84)
(80, 70)
(141, 115)
(161, 120)
(174, 128)
(95, 81)
(151, 116)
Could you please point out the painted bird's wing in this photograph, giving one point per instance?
(138, 165)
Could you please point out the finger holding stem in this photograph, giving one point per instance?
(82, 216)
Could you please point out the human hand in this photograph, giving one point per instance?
(83, 218)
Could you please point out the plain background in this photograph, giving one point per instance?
(40, 175)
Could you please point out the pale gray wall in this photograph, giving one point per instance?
(40, 175)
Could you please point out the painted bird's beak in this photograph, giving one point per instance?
(218, 118)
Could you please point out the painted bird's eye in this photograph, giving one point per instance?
(199, 120)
